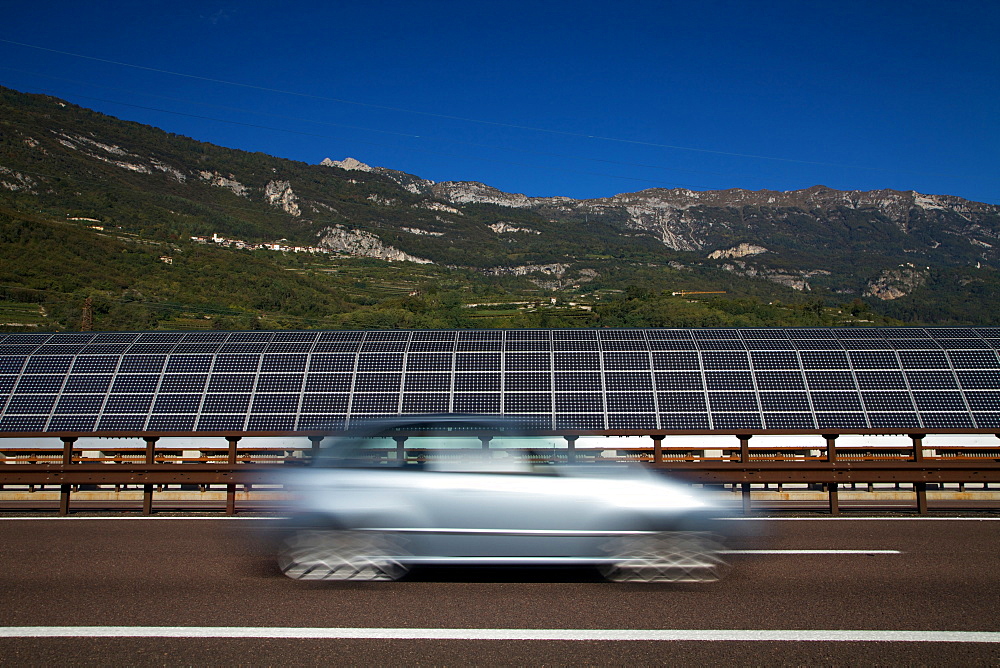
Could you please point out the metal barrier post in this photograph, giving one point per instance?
(147, 490)
(571, 449)
(67, 459)
(919, 487)
(831, 488)
(231, 487)
(745, 459)
(314, 450)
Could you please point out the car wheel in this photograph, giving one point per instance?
(674, 556)
(317, 554)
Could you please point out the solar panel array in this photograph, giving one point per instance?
(695, 380)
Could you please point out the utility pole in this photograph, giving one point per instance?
(87, 322)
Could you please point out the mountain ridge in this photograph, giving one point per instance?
(914, 255)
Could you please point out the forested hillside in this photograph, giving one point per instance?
(163, 231)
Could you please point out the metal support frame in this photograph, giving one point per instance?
(67, 459)
(831, 488)
(657, 449)
(920, 488)
(147, 490)
(571, 449)
(745, 460)
(231, 488)
(314, 448)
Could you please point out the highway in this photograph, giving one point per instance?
(78, 591)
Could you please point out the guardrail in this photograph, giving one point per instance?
(148, 469)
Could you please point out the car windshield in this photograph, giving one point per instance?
(465, 447)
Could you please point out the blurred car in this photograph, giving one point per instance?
(460, 490)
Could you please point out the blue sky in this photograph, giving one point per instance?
(583, 99)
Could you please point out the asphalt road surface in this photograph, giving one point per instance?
(182, 591)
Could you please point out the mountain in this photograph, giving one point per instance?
(77, 181)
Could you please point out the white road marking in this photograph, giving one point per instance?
(730, 635)
(144, 518)
(858, 519)
(810, 552)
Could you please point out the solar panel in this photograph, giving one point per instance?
(30, 404)
(579, 421)
(881, 380)
(577, 361)
(784, 401)
(477, 382)
(580, 402)
(295, 363)
(83, 403)
(774, 360)
(575, 344)
(824, 360)
(378, 382)
(183, 382)
(732, 401)
(577, 382)
(676, 360)
(221, 422)
(425, 403)
(684, 421)
(72, 423)
(39, 384)
(488, 404)
(54, 364)
(682, 401)
(631, 402)
(477, 361)
(789, 421)
(836, 401)
(723, 379)
(894, 420)
(779, 380)
(628, 382)
(231, 382)
(931, 380)
(128, 403)
(271, 423)
(830, 380)
(171, 423)
(680, 380)
(324, 403)
(12, 364)
(427, 382)
(528, 402)
(729, 380)
(841, 421)
(887, 401)
(84, 383)
(528, 362)
(535, 382)
(725, 360)
(631, 421)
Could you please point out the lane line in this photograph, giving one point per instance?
(721, 519)
(283, 517)
(725, 635)
(143, 519)
(857, 519)
(810, 552)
